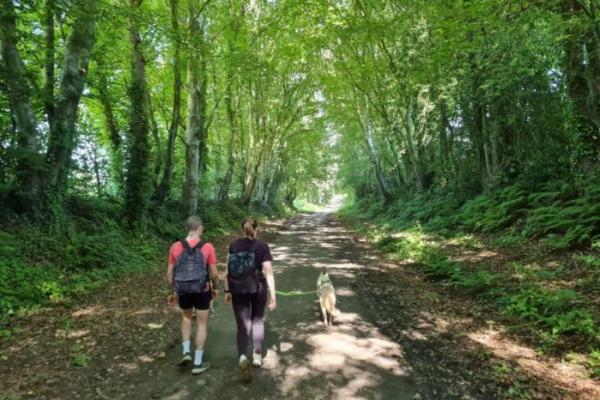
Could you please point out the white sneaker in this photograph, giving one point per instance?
(245, 368)
(257, 360)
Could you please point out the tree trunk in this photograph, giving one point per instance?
(582, 51)
(195, 129)
(224, 190)
(75, 67)
(479, 141)
(165, 184)
(383, 185)
(253, 175)
(114, 134)
(49, 65)
(413, 151)
(29, 161)
(138, 178)
(444, 148)
(254, 127)
(154, 130)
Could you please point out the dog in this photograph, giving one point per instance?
(326, 294)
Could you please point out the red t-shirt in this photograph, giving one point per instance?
(208, 251)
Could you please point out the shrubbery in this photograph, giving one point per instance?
(557, 214)
(82, 249)
(556, 310)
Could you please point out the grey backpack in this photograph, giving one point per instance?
(190, 273)
(242, 271)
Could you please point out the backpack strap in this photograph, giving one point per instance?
(190, 249)
(186, 245)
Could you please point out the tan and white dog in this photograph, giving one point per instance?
(326, 294)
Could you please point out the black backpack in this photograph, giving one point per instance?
(242, 271)
(190, 273)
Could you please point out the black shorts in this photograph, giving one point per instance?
(200, 301)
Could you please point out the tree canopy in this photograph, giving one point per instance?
(264, 101)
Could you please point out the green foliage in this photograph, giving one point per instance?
(434, 263)
(439, 267)
(509, 240)
(10, 397)
(591, 260)
(89, 248)
(564, 216)
(558, 214)
(555, 310)
(492, 212)
(80, 359)
(593, 363)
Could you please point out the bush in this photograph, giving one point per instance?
(555, 310)
(439, 267)
(41, 262)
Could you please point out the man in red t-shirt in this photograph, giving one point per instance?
(198, 301)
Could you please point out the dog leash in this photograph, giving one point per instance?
(294, 293)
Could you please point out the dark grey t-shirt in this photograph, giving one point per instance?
(262, 250)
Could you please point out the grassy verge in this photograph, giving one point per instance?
(59, 262)
(540, 289)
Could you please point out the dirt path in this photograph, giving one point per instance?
(129, 342)
(391, 342)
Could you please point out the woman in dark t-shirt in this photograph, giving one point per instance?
(249, 308)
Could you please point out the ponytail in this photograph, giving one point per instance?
(250, 228)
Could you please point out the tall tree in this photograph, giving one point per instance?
(19, 92)
(138, 176)
(78, 50)
(165, 184)
(195, 134)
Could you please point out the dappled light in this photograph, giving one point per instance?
(425, 174)
(89, 311)
(556, 372)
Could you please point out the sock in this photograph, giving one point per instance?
(198, 357)
(186, 346)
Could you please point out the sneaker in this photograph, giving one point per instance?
(257, 360)
(186, 360)
(198, 369)
(245, 368)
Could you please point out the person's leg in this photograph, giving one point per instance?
(201, 305)
(186, 307)
(186, 333)
(242, 311)
(259, 303)
(201, 327)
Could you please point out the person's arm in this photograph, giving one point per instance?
(226, 284)
(214, 279)
(268, 272)
(213, 273)
(170, 277)
(171, 296)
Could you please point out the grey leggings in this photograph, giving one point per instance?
(249, 310)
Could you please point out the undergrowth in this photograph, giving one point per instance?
(560, 214)
(555, 216)
(57, 261)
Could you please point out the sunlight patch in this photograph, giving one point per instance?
(129, 366)
(92, 310)
(145, 310)
(145, 359)
(559, 372)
